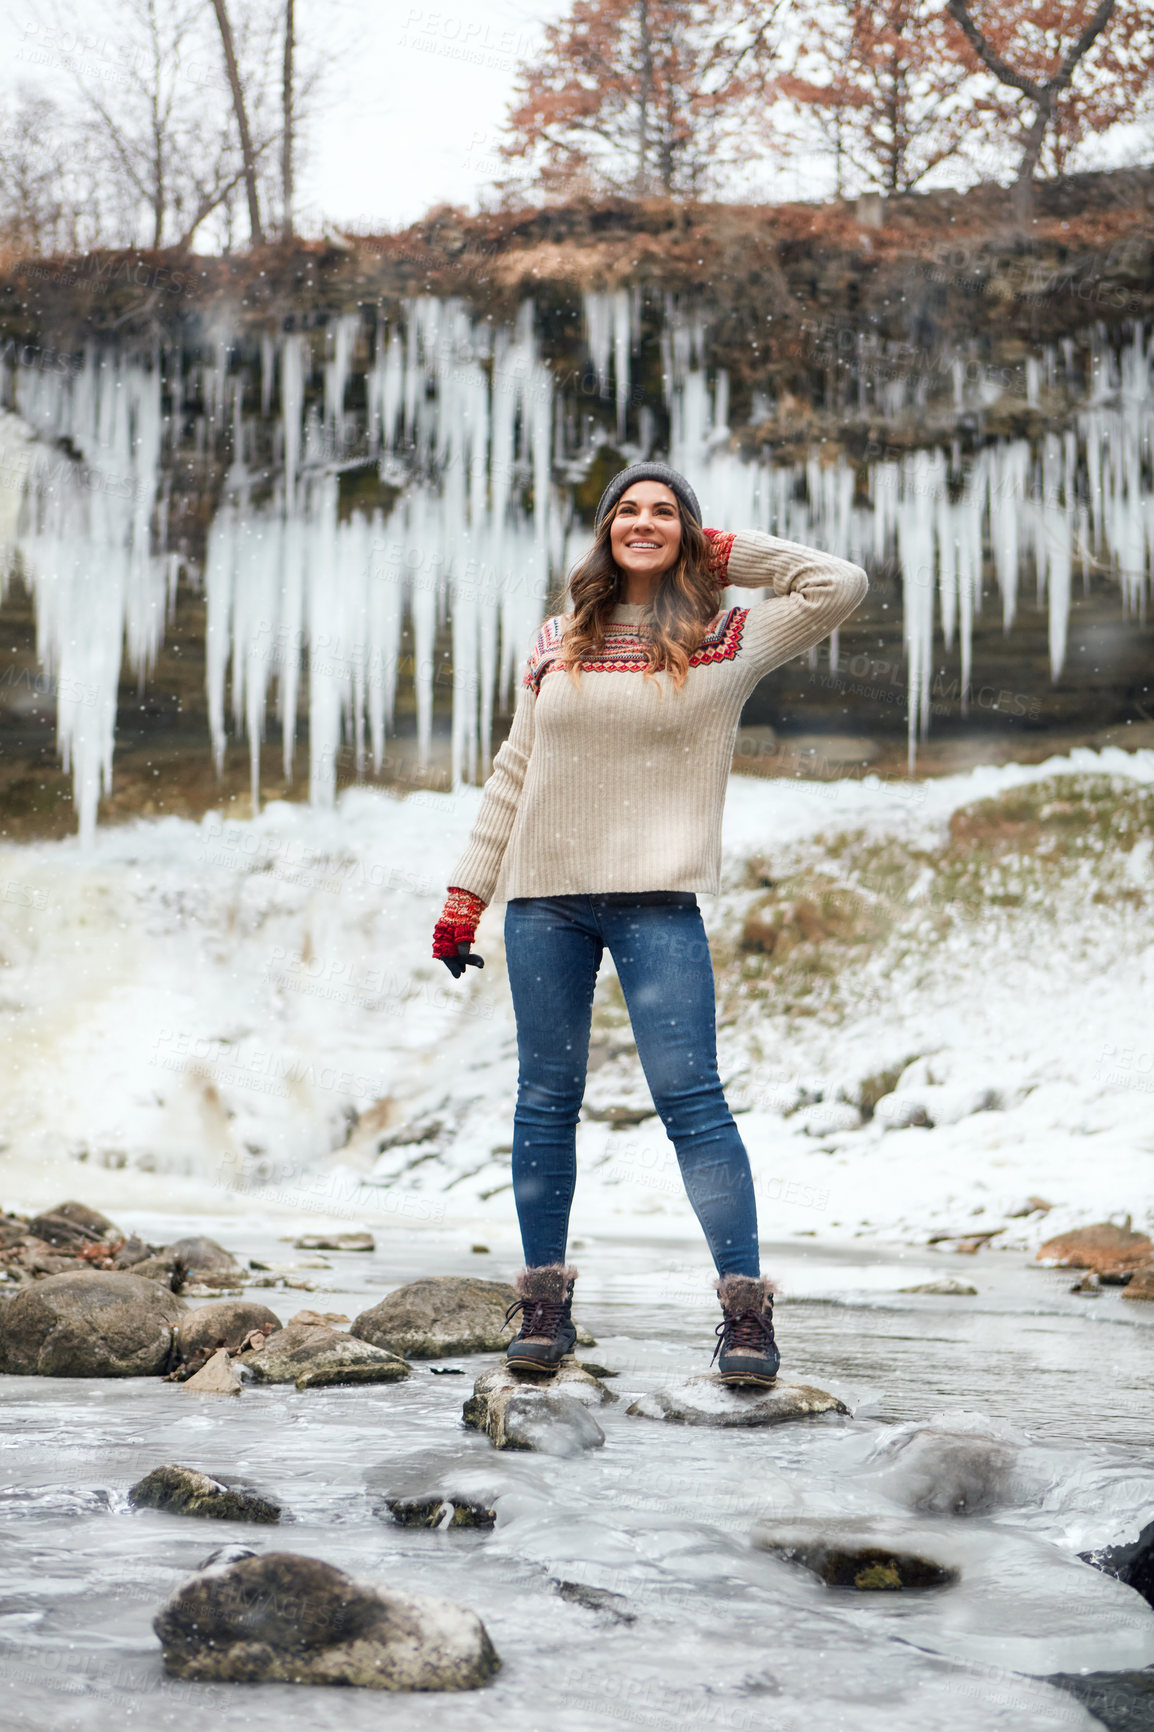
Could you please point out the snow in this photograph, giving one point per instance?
(244, 1016)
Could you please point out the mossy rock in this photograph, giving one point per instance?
(187, 1491)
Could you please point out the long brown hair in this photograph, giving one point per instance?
(685, 602)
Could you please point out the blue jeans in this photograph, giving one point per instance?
(553, 949)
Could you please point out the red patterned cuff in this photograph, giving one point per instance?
(720, 548)
(458, 921)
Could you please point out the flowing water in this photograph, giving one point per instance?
(375, 511)
(1001, 1434)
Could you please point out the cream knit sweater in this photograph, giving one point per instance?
(619, 784)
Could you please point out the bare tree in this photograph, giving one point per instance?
(155, 121)
(48, 190)
(240, 110)
(288, 120)
(994, 44)
(141, 130)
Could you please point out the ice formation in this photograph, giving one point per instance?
(467, 421)
(88, 486)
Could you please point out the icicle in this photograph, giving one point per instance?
(598, 336)
(463, 417)
(289, 638)
(267, 371)
(916, 552)
(947, 568)
(1033, 381)
(622, 347)
(294, 370)
(345, 331)
(85, 538)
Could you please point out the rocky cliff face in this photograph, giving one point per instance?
(414, 430)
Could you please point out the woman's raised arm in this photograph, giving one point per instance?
(812, 592)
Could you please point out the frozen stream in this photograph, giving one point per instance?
(1028, 1404)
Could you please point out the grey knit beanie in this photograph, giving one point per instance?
(647, 472)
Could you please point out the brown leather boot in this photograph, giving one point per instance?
(746, 1352)
(547, 1333)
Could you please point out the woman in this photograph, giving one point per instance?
(600, 822)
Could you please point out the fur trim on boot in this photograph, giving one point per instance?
(746, 1352)
(546, 1334)
(744, 1292)
(549, 1282)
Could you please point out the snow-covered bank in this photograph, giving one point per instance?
(246, 1015)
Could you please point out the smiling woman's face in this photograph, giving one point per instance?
(645, 535)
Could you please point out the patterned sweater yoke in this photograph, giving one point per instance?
(617, 783)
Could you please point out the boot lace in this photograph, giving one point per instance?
(745, 1331)
(539, 1317)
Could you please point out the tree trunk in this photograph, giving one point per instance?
(646, 94)
(1022, 197)
(248, 156)
(287, 122)
(1045, 95)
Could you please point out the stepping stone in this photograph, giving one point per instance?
(449, 1490)
(220, 1376)
(335, 1242)
(227, 1323)
(93, 1323)
(440, 1512)
(706, 1400)
(284, 1619)
(316, 1358)
(187, 1491)
(867, 1568)
(440, 1316)
(548, 1415)
(614, 1606)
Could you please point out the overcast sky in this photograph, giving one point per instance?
(414, 104)
(428, 88)
(410, 113)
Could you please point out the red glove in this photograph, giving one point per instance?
(720, 546)
(456, 930)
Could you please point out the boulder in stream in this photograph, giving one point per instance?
(335, 1242)
(224, 1323)
(92, 1323)
(1104, 1248)
(442, 1315)
(132, 1252)
(12, 1230)
(706, 1400)
(451, 1490)
(1132, 1563)
(1141, 1283)
(947, 1288)
(71, 1225)
(283, 1619)
(611, 1605)
(844, 1563)
(444, 1513)
(219, 1375)
(316, 1358)
(548, 1415)
(198, 1260)
(1017, 1601)
(958, 1465)
(1120, 1701)
(187, 1491)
